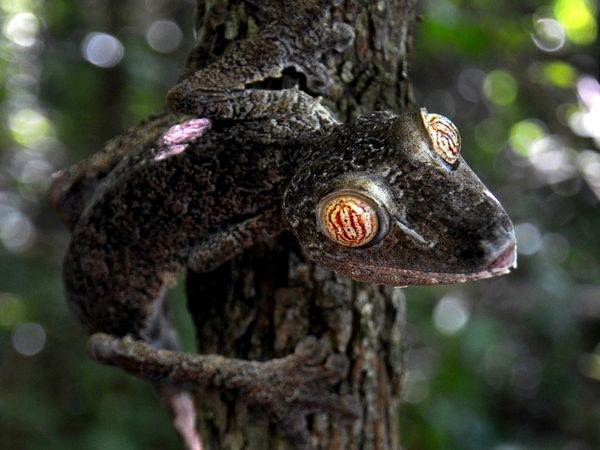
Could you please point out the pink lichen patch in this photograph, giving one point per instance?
(185, 132)
(177, 138)
(168, 151)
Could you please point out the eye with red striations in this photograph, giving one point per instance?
(349, 218)
(444, 135)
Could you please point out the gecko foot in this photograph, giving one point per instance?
(289, 388)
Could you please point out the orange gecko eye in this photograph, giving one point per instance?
(444, 135)
(349, 218)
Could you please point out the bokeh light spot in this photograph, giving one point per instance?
(589, 365)
(12, 310)
(585, 123)
(529, 238)
(29, 338)
(500, 87)
(22, 29)
(548, 35)
(509, 447)
(523, 135)
(450, 315)
(560, 74)
(28, 126)
(416, 389)
(577, 18)
(588, 163)
(16, 230)
(164, 36)
(553, 161)
(36, 171)
(588, 89)
(102, 50)
(469, 84)
(555, 247)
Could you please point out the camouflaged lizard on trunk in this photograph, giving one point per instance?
(386, 198)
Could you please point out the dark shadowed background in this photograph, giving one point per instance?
(505, 364)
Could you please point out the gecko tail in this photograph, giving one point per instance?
(182, 409)
(161, 334)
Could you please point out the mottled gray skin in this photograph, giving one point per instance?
(292, 34)
(73, 187)
(198, 208)
(444, 224)
(150, 218)
(220, 220)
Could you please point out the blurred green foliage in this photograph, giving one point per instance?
(504, 364)
(57, 108)
(512, 363)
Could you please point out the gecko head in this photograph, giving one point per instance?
(388, 199)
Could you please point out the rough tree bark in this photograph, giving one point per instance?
(260, 305)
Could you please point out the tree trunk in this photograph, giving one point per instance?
(260, 305)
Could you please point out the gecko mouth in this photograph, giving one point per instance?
(505, 260)
(502, 261)
(404, 277)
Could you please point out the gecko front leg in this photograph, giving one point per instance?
(300, 110)
(289, 388)
(232, 241)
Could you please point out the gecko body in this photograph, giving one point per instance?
(196, 198)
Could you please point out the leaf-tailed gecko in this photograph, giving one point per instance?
(386, 198)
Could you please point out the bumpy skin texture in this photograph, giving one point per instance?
(153, 202)
(444, 224)
(73, 187)
(155, 210)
